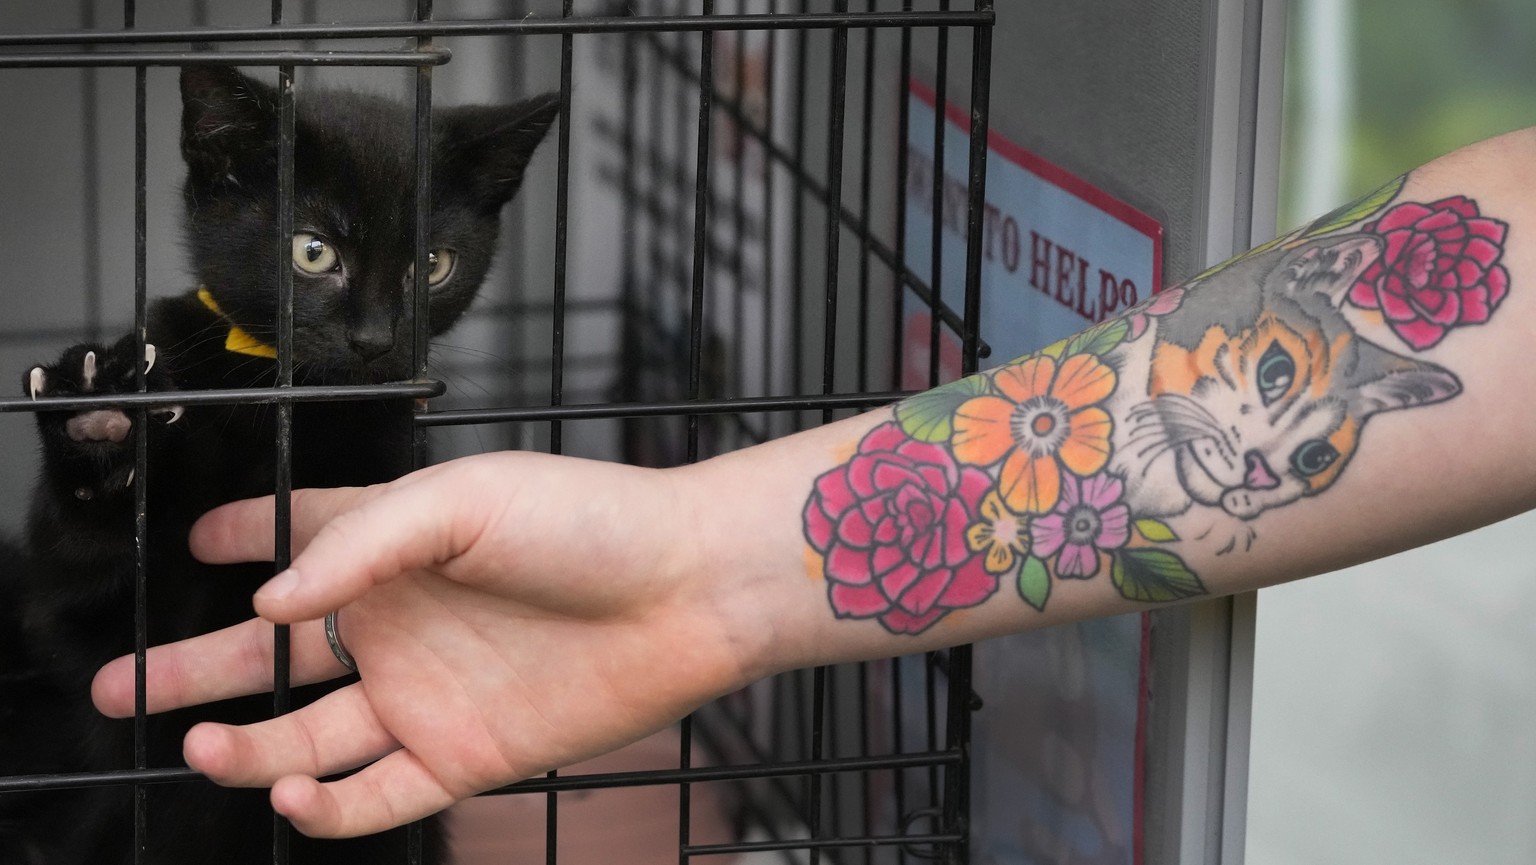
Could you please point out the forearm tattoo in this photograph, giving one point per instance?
(1181, 423)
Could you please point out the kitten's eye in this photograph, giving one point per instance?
(440, 260)
(312, 254)
(1313, 456)
(1276, 372)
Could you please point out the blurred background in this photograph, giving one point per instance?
(1393, 703)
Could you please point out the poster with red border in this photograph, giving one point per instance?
(1058, 750)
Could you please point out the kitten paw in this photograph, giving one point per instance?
(91, 452)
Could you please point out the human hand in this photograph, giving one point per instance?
(508, 613)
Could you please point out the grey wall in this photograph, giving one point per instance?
(1114, 91)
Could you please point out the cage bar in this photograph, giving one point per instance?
(140, 59)
(230, 396)
(282, 500)
(529, 26)
(936, 237)
(696, 357)
(420, 294)
(141, 452)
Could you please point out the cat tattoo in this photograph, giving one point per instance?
(1259, 399)
(1205, 407)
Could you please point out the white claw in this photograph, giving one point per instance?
(175, 412)
(39, 379)
(149, 357)
(89, 370)
(129, 482)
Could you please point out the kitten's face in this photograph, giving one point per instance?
(351, 253)
(1290, 431)
(1293, 390)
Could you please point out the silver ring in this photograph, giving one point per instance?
(333, 637)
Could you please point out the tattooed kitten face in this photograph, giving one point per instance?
(1262, 401)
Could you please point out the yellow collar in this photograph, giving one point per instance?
(238, 341)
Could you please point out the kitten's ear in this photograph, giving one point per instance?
(228, 126)
(1384, 381)
(484, 149)
(1332, 265)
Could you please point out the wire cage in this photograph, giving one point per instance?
(712, 250)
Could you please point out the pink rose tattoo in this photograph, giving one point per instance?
(1439, 269)
(890, 526)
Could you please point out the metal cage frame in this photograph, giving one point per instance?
(809, 785)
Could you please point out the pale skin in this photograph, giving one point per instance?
(513, 613)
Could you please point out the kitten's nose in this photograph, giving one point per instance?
(1259, 475)
(371, 343)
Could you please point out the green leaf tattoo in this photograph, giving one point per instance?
(1034, 583)
(1154, 576)
(1054, 350)
(929, 416)
(1099, 339)
(1356, 211)
(1156, 531)
(1359, 210)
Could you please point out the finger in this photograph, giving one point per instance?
(337, 732)
(391, 792)
(400, 529)
(232, 662)
(243, 531)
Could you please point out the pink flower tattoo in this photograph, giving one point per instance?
(891, 527)
(1162, 303)
(1439, 269)
(1089, 518)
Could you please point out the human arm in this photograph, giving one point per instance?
(547, 609)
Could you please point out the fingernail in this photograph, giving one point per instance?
(279, 587)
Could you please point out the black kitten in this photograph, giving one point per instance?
(66, 601)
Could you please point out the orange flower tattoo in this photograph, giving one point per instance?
(1046, 420)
